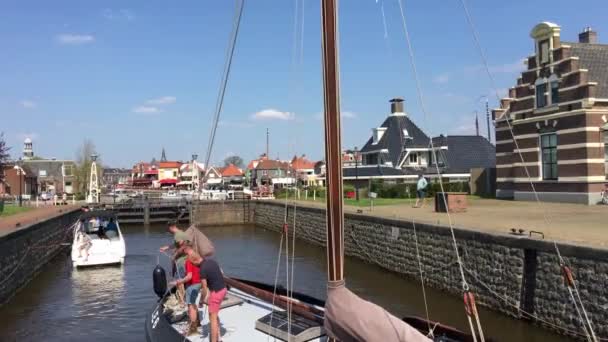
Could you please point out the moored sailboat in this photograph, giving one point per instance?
(255, 312)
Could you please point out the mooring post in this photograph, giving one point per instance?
(146, 211)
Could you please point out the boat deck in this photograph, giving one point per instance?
(237, 320)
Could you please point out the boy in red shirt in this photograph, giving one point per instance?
(192, 282)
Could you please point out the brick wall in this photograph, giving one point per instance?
(505, 272)
(25, 252)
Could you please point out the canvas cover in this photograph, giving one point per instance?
(349, 318)
(200, 242)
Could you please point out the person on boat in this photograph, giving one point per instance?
(83, 241)
(213, 291)
(421, 191)
(200, 242)
(192, 283)
(111, 229)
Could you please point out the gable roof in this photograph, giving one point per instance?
(394, 139)
(593, 57)
(302, 163)
(169, 165)
(231, 171)
(269, 164)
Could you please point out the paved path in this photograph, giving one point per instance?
(574, 223)
(8, 224)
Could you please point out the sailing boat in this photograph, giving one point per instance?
(255, 311)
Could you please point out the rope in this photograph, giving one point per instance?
(465, 285)
(588, 325)
(224, 82)
(276, 280)
(514, 303)
(426, 306)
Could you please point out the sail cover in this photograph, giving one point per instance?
(350, 318)
(200, 242)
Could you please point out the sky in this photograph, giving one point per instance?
(137, 76)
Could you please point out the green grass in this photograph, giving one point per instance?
(11, 209)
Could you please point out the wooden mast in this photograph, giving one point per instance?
(333, 148)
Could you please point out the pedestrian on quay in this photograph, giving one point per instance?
(213, 291)
(421, 186)
(192, 283)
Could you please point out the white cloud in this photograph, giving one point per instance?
(165, 100)
(146, 110)
(345, 115)
(28, 104)
(272, 114)
(122, 14)
(442, 79)
(348, 115)
(74, 39)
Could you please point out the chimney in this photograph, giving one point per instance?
(587, 36)
(397, 106)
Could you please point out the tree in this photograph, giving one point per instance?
(83, 166)
(235, 160)
(4, 156)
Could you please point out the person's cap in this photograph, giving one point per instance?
(171, 223)
(181, 236)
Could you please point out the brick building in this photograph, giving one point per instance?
(558, 112)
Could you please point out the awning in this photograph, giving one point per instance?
(168, 181)
(213, 181)
(184, 183)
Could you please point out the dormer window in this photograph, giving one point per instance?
(413, 158)
(543, 51)
(377, 134)
(541, 89)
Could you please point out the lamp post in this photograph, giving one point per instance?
(19, 175)
(356, 174)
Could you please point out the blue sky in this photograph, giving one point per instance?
(136, 76)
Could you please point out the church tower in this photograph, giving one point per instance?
(28, 150)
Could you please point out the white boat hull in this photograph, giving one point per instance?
(100, 251)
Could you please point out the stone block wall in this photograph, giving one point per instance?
(24, 252)
(509, 274)
(213, 213)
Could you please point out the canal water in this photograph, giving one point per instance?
(109, 304)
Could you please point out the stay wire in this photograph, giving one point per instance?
(240, 4)
(586, 321)
(465, 285)
(426, 306)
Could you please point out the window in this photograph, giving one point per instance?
(541, 100)
(371, 159)
(439, 156)
(413, 158)
(548, 144)
(543, 51)
(554, 84)
(174, 173)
